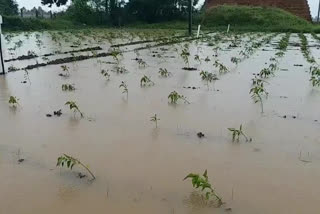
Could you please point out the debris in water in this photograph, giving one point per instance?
(200, 135)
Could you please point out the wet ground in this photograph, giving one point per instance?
(140, 168)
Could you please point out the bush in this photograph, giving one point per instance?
(14, 23)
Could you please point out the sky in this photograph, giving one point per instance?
(29, 4)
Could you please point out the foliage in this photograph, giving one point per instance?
(68, 87)
(266, 72)
(146, 81)
(8, 7)
(209, 77)
(222, 68)
(152, 11)
(236, 133)
(105, 74)
(235, 60)
(125, 88)
(70, 162)
(13, 101)
(315, 76)
(174, 97)
(74, 107)
(185, 56)
(257, 91)
(164, 72)
(202, 182)
(305, 50)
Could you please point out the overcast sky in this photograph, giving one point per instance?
(36, 3)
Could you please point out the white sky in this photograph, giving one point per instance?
(29, 4)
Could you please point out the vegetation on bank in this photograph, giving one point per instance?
(245, 18)
(240, 18)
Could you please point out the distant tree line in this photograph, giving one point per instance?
(118, 12)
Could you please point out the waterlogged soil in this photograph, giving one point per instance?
(140, 168)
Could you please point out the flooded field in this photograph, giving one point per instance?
(119, 81)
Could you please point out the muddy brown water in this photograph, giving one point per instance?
(139, 169)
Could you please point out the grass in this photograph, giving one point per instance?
(245, 18)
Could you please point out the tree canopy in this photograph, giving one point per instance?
(8, 7)
(52, 2)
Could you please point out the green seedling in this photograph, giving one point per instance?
(258, 81)
(207, 59)
(315, 80)
(105, 74)
(197, 58)
(235, 60)
(13, 101)
(68, 87)
(116, 54)
(280, 54)
(202, 182)
(74, 107)
(70, 162)
(265, 73)
(120, 70)
(174, 97)
(125, 88)
(185, 56)
(273, 67)
(146, 81)
(257, 92)
(236, 133)
(221, 67)
(142, 63)
(65, 69)
(155, 119)
(164, 72)
(207, 76)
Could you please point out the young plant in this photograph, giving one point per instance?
(209, 77)
(70, 162)
(65, 69)
(222, 68)
(315, 76)
(142, 63)
(155, 119)
(74, 107)
(146, 81)
(105, 74)
(68, 87)
(164, 72)
(116, 55)
(120, 70)
(257, 92)
(174, 97)
(125, 88)
(13, 101)
(236, 133)
(265, 73)
(185, 56)
(197, 58)
(235, 60)
(207, 59)
(202, 182)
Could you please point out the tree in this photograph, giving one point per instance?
(158, 10)
(58, 3)
(8, 7)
